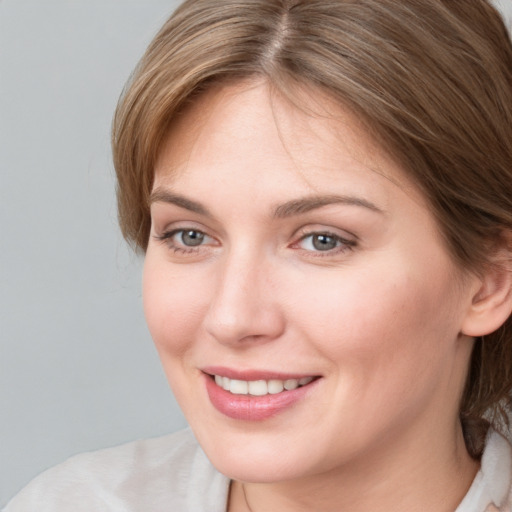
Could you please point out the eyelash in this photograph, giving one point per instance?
(168, 236)
(342, 244)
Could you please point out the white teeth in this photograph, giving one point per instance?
(291, 384)
(260, 387)
(275, 386)
(238, 387)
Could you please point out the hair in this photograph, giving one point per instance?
(432, 80)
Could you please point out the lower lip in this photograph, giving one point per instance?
(253, 408)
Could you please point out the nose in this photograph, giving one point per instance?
(244, 307)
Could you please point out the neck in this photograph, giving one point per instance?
(409, 475)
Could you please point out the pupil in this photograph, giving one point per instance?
(324, 242)
(192, 238)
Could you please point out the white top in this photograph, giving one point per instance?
(172, 473)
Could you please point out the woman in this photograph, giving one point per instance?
(322, 191)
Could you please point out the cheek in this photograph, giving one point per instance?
(380, 318)
(389, 341)
(173, 308)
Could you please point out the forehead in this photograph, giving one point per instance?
(309, 137)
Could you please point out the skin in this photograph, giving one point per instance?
(380, 317)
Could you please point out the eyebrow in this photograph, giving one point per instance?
(306, 204)
(288, 209)
(164, 196)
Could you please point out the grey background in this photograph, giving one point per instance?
(77, 367)
(78, 370)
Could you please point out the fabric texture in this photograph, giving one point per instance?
(167, 474)
(491, 490)
(172, 474)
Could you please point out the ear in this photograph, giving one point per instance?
(491, 301)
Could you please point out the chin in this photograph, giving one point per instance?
(265, 456)
(252, 467)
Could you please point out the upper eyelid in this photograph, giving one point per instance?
(168, 233)
(326, 232)
(168, 227)
(163, 222)
(342, 234)
(167, 238)
(343, 240)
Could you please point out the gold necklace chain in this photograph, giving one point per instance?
(249, 508)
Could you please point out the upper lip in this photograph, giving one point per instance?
(253, 374)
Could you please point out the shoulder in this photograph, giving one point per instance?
(150, 474)
(497, 472)
(492, 488)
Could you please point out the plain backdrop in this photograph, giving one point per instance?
(78, 370)
(77, 367)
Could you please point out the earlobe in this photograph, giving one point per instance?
(491, 302)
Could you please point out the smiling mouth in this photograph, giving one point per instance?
(260, 387)
(256, 395)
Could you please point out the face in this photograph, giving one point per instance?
(303, 304)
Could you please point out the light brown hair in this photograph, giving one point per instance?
(432, 79)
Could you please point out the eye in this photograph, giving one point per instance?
(324, 242)
(185, 240)
(321, 242)
(190, 237)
